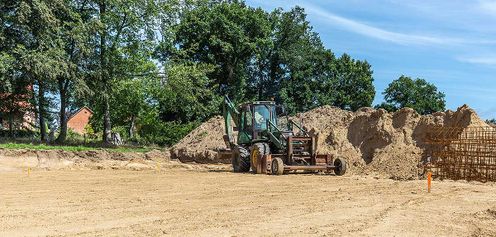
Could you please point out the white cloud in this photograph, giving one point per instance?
(490, 61)
(374, 32)
(488, 6)
(386, 35)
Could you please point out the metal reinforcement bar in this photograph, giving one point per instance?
(463, 153)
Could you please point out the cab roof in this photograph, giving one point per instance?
(259, 103)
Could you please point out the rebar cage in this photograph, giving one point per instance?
(462, 153)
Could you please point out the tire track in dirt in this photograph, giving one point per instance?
(190, 203)
(410, 206)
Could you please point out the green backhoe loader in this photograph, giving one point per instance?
(267, 142)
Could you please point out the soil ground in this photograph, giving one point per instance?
(221, 203)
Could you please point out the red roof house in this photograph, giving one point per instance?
(78, 121)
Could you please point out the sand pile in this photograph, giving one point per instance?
(372, 141)
(202, 144)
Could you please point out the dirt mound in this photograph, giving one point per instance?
(11, 160)
(381, 143)
(372, 141)
(202, 144)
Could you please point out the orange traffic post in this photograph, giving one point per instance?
(429, 180)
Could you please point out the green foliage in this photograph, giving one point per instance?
(491, 121)
(90, 132)
(6, 62)
(122, 39)
(353, 85)
(123, 132)
(164, 133)
(71, 135)
(305, 75)
(128, 100)
(299, 62)
(187, 95)
(227, 36)
(32, 37)
(264, 56)
(417, 94)
(386, 106)
(150, 110)
(152, 70)
(19, 133)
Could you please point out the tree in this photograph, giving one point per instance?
(123, 35)
(30, 31)
(101, 53)
(261, 56)
(14, 93)
(297, 62)
(353, 86)
(225, 35)
(129, 101)
(417, 94)
(75, 37)
(302, 74)
(163, 109)
(187, 95)
(491, 122)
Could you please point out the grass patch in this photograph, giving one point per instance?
(70, 148)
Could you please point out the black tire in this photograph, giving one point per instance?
(257, 151)
(277, 167)
(339, 166)
(240, 160)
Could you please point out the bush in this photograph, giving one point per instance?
(71, 135)
(123, 131)
(90, 132)
(18, 133)
(166, 133)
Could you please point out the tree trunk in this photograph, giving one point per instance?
(260, 81)
(41, 111)
(107, 126)
(11, 117)
(11, 125)
(132, 129)
(63, 86)
(107, 136)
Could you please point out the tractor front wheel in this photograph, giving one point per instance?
(257, 151)
(240, 160)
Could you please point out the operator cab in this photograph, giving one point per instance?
(255, 118)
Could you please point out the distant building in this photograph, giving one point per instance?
(78, 121)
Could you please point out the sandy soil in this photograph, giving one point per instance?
(220, 203)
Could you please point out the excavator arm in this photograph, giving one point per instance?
(231, 113)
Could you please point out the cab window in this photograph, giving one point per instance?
(248, 119)
(261, 114)
(274, 116)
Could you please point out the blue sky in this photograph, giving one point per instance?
(449, 43)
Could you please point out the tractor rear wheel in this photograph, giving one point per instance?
(257, 151)
(339, 166)
(240, 160)
(277, 166)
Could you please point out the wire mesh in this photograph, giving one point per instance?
(463, 153)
